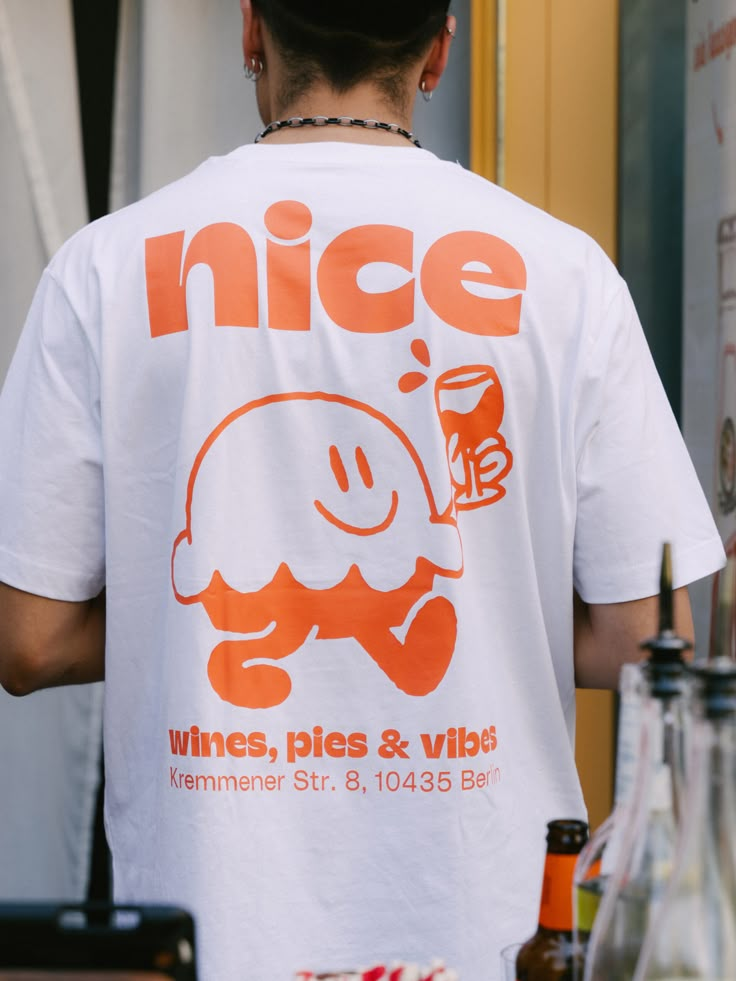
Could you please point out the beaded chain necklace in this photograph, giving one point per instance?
(296, 122)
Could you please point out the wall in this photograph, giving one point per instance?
(709, 393)
(443, 125)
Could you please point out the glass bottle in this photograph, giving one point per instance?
(693, 933)
(593, 865)
(638, 844)
(642, 869)
(668, 680)
(723, 626)
(549, 955)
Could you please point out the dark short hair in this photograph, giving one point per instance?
(350, 41)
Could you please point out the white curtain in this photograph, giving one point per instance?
(180, 92)
(49, 742)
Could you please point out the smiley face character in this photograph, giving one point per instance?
(312, 514)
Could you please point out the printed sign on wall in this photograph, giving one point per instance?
(709, 398)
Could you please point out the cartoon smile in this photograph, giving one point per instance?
(358, 529)
(343, 482)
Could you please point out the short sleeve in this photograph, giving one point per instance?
(51, 483)
(636, 485)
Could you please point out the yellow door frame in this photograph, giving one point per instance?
(548, 129)
(483, 87)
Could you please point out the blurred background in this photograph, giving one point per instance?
(618, 116)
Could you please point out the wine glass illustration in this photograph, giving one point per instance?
(470, 405)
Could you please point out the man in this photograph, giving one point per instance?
(373, 465)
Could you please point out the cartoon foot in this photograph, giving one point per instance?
(246, 685)
(419, 664)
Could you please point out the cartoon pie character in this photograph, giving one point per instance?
(310, 514)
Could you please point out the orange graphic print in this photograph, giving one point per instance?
(228, 250)
(298, 276)
(350, 544)
(470, 405)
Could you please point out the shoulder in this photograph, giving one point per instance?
(193, 192)
(556, 251)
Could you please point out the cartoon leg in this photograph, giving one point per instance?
(419, 664)
(254, 685)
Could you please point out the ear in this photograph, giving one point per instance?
(436, 60)
(252, 36)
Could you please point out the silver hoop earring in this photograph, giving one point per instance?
(427, 96)
(251, 72)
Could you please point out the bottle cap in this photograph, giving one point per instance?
(715, 689)
(566, 836)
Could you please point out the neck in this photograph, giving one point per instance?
(361, 102)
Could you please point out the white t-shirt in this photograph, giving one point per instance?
(339, 428)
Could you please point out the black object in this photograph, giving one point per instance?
(665, 666)
(155, 942)
(95, 41)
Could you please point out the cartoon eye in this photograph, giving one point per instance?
(364, 468)
(338, 468)
(341, 475)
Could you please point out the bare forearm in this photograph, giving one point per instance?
(45, 643)
(608, 635)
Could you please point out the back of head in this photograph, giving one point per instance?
(346, 42)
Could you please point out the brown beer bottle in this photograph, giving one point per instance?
(550, 955)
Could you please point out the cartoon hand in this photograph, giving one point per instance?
(493, 463)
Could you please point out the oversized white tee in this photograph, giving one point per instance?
(340, 429)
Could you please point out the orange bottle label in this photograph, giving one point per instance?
(555, 910)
